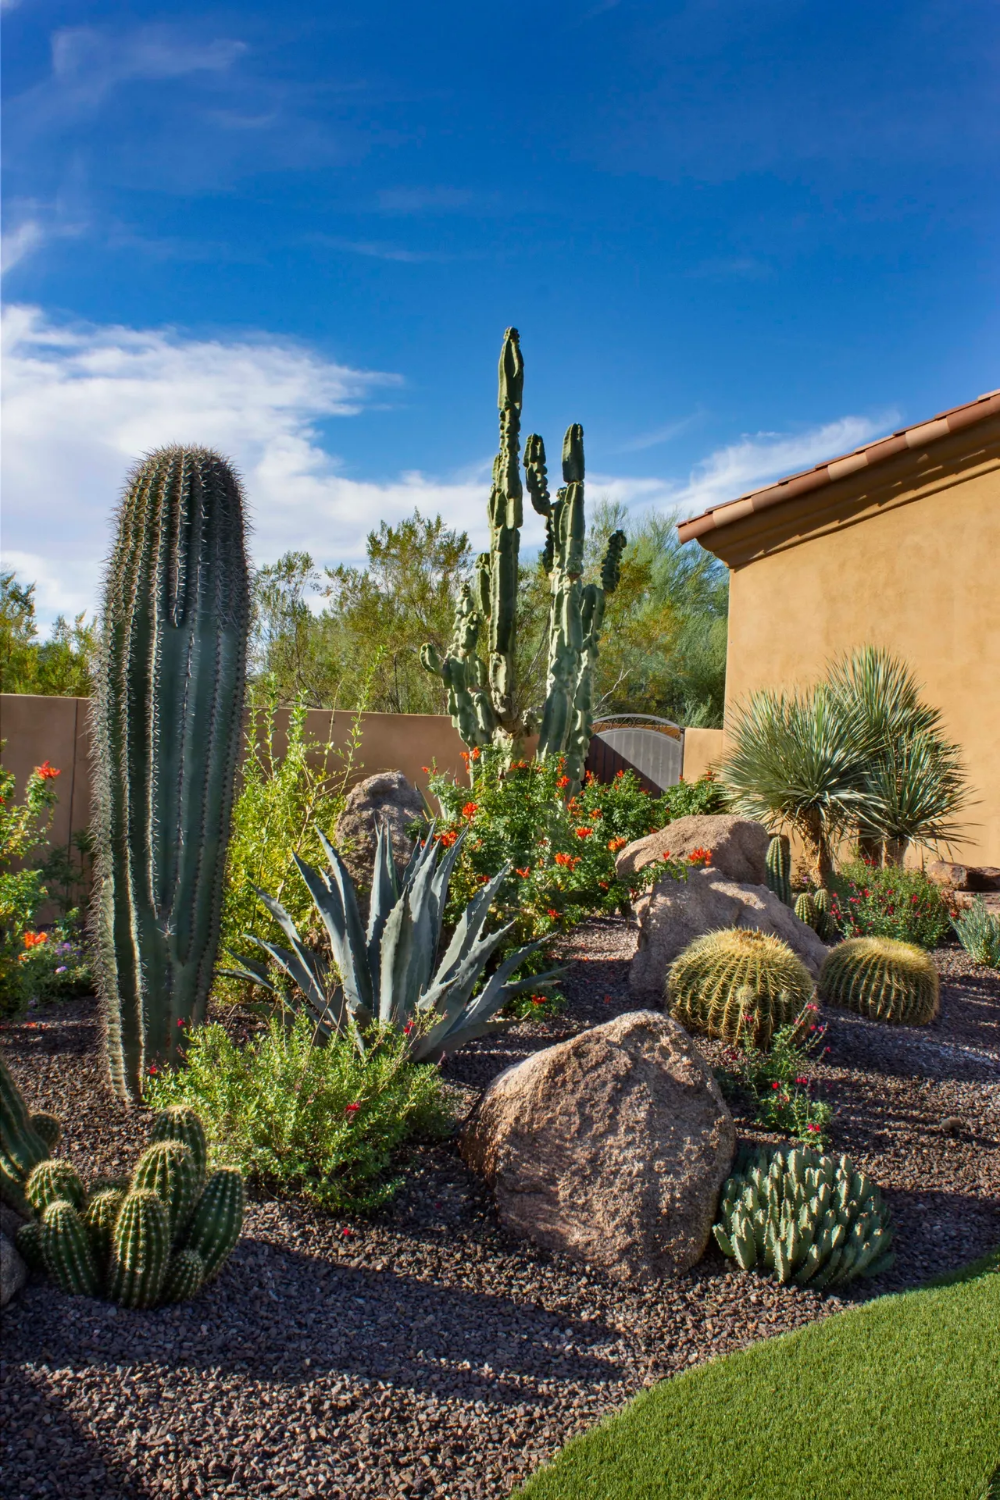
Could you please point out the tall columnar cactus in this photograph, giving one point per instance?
(217, 1220)
(140, 1249)
(882, 979)
(806, 1217)
(22, 1144)
(737, 984)
(482, 698)
(179, 1122)
(170, 1171)
(779, 867)
(167, 739)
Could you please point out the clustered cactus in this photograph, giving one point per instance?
(154, 1238)
(883, 979)
(808, 1218)
(813, 908)
(739, 985)
(167, 722)
(481, 697)
(779, 867)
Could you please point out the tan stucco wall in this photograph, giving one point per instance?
(702, 752)
(906, 556)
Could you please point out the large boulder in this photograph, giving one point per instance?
(738, 846)
(675, 912)
(13, 1271)
(610, 1147)
(388, 798)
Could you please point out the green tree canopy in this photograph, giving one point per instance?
(62, 665)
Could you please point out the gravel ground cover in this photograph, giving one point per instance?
(426, 1352)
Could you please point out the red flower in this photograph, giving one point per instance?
(615, 844)
(776, 1085)
(563, 781)
(584, 833)
(352, 1109)
(152, 1067)
(470, 809)
(47, 772)
(476, 753)
(553, 913)
(523, 873)
(700, 856)
(427, 769)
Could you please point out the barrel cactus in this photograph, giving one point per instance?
(779, 867)
(482, 697)
(167, 727)
(153, 1238)
(882, 979)
(806, 1217)
(737, 984)
(805, 909)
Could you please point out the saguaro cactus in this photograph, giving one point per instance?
(167, 737)
(482, 697)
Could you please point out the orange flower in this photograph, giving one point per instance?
(47, 772)
(476, 753)
(553, 914)
(615, 844)
(596, 813)
(700, 856)
(584, 833)
(448, 838)
(569, 860)
(32, 939)
(523, 873)
(563, 781)
(470, 809)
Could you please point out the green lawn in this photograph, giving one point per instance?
(895, 1400)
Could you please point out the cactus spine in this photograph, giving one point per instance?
(52, 1181)
(140, 1250)
(738, 984)
(482, 699)
(99, 1218)
(66, 1250)
(804, 1216)
(167, 738)
(22, 1145)
(179, 1122)
(882, 979)
(168, 1169)
(779, 867)
(217, 1220)
(185, 1275)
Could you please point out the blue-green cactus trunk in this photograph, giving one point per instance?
(167, 742)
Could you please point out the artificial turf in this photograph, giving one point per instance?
(895, 1400)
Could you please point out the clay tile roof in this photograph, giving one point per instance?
(864, 457)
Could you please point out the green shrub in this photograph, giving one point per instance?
(687, 798)
(323, 1122)
(978, 931)
(873, 901)
(778, 1081)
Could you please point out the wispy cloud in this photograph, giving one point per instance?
(431, 200)
(18, 243)
(379, 250)
(664, 434)
(88, 62)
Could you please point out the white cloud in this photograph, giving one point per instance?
(88, 62)
(20, 242)
(82, 402)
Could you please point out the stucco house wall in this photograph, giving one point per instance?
(902, 553)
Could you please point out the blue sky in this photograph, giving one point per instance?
(737, 239)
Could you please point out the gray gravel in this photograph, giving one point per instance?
(425, 1352)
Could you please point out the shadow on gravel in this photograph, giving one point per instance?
(310, 1317)
(65, 1459)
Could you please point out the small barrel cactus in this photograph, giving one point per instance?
(179, 1122)
(99, 1217)
(48, 1127)
(66, 1251)
(779, 867)
(738, 984)
(805, 909)
(217, 1220)
(169, 1170)
(52, 1181)
(140, 1250)
(882, 979)
(185, 1274)
(804, 1216)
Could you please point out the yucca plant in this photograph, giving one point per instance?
(389, 972)
(792, 766)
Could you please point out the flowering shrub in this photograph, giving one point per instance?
(873, 901)
(323, 1122)
(34, 965)
(706, 795)
(561, 852)
(778, 1081)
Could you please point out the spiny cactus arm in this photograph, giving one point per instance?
(179, 1122)
(169, 1170)
(536, 475)
(22, 1145)
(12, 1189)
(66, 1251)
(185, 1274)
(505, 512)
(217, 1220)
(167, 735)
(99, 1217)
(52, 1181)
(140, 1250)
(49, 1127)
(28, 1241)
(611, 567)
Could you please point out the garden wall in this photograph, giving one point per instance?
(56, 729)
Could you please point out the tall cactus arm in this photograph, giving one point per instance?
(536, 475)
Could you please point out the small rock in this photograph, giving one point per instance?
(388, 798)
(13, 1271)
(738, 846)
(610, 1147)
(675, 912)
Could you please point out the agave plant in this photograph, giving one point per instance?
(388, 973)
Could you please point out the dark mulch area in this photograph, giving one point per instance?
(426, 1353)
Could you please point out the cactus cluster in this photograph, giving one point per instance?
(156, 1237)
(804, 1216)
(167, 732)
(882, 979)
(739, 985)
(813, 908)
(779, 867)
(481, 696)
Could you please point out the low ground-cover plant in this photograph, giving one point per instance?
(873, 901)
(322, 1121)
(779, 1083)
(35, 964)
(978, 931)
(559, 851)
(806, 1217)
